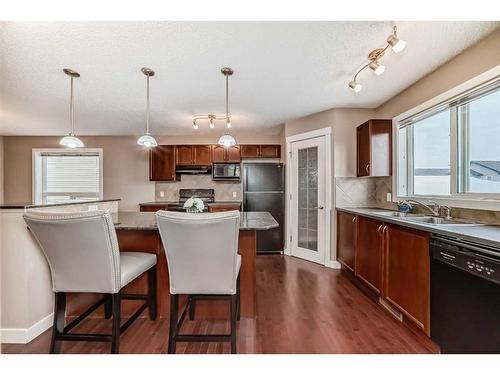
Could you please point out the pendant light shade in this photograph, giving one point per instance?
(71, 140)
(147, 140)
(227, 140)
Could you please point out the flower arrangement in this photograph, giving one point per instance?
(194, 205)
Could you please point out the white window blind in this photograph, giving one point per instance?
(68, 177)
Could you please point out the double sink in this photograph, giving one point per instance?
(427, 219)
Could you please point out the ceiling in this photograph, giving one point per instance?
(283, 70)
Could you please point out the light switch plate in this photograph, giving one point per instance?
(162, 194)
(93, 207)
(389, 197)
(235, 194)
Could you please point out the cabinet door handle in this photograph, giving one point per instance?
(379, 229)
(367, 168)
(354, 219)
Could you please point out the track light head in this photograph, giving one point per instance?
(356, 87)
(377, 68)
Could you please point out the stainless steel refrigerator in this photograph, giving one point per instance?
(264, 190)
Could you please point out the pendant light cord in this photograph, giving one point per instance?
(227, 98)
(147, 104)
(72, 109)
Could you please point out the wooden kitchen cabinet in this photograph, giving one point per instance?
(260, 151)
(184, 155)
(202, 154)
(346, 239)
(152, 208)
(162, 163)
(374, 148)
(221, 154)
(224, 207)
(406, 273)
(193, 154)
(369, 252)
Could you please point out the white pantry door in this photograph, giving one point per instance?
(307, 201)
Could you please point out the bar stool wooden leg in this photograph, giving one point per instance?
(174, 309)
(233, 323)
(192, 307)
(115, 339)
(59, 317)
(152, 301)
(238, 294)
(108, 306)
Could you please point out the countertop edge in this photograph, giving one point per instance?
(422, 227)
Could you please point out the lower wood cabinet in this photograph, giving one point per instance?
(406, 273)
(152, 208)
(224, 207)
(346, 239)
(369, 253)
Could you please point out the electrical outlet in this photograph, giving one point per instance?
(162, 194)
(235, 194)
(389, 197)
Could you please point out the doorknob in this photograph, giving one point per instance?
(319, 207)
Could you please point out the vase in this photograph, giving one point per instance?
(192, 210)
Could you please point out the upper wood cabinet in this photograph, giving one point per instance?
(260, 151)
(221, 154)
(162, 163)
(406, 273)
(193, 154)
(369, 251)
(346, 239)
(374, 148)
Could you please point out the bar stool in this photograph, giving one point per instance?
(203, 263)
(82, 252)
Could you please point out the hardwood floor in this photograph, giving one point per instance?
(302, 308)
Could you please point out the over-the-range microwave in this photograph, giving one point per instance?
(226, 171)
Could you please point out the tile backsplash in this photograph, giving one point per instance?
(223, 189)
(363, 192)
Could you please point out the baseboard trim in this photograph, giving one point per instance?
(25, 335)
(333, 264)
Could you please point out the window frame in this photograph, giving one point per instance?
(37, 170)
(458, 141)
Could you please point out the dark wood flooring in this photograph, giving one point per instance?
(302, 308)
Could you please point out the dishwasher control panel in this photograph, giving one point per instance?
(467, 258)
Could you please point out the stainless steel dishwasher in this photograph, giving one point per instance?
(465, 296)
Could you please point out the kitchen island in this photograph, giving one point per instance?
(137, 231)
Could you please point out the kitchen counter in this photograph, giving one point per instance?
(147, 221)
(488, 235)
(216, 203)
(27, 205)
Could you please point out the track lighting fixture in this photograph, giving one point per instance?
(396, 44)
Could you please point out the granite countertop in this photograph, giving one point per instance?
(216, 203)
(31, 205)
(147, 221)
(484, 234)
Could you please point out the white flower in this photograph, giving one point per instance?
(194, 203)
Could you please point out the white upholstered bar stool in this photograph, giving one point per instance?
(82, 251)
(203, 263)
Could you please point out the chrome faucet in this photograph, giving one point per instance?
(433, 207)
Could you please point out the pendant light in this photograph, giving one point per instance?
(227, 140)
(71, 140)
(147, 140)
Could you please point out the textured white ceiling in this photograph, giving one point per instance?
(283, 70)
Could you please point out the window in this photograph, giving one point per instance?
(452, 149)
(62, 176)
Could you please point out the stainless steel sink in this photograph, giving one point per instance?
(439, 221)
